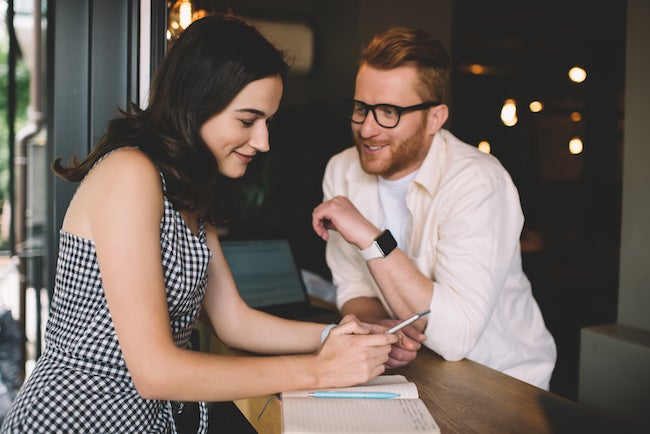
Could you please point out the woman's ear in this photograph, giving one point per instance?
(436, 118)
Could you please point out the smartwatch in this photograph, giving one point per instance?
(381, 246)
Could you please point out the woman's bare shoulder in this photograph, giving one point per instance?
(124, 161)
(126, 172)
(124, 178)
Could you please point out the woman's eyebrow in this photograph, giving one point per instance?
(252, 111)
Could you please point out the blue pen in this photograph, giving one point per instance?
(362, 395)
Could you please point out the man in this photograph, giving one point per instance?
(415, 219)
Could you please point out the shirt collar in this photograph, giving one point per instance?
(431, 170)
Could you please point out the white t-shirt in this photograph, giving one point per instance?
(392, 197)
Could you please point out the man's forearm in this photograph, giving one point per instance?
(406, 290)
(367, 309)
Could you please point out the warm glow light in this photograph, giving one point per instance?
(536, 106)
(576, 117)
(577, 74)
(575, 145)
(477, 69)
(484, 146)
(185, 14)
(509, 113)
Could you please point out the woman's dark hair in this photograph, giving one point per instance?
(209, 64)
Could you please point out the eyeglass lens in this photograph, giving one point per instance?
(387, 116)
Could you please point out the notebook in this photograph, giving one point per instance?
(268, 279)
(406, 414)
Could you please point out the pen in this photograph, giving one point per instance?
(406, 322)
(363, 395)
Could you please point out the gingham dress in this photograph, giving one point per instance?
(80, 383)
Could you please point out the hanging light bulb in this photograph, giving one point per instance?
(185, 14)
(484, 146)
(509, 113)
(577, 74)
(181, 15)
(575, 146)
(536, 106)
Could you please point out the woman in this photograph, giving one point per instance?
(120, 316)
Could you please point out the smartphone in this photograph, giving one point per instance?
(406, 322)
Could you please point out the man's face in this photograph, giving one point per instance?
(391, 152)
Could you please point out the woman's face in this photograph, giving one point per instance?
(240, 131)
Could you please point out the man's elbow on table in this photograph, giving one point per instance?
(449, 349)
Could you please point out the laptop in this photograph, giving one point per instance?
(268, 279)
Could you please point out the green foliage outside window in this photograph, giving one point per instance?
(22, 101)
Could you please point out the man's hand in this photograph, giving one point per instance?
(405, 350)
(341, 215)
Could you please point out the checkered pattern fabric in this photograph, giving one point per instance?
(80, 383)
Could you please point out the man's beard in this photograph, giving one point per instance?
(403, 154)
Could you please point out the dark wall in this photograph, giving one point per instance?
(572, 203)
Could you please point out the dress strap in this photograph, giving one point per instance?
(170, 416)
(203, 415)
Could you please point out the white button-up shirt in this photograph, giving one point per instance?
(464, 228)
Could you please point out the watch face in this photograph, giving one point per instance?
(386, 242)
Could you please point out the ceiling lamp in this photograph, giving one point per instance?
(575, 146)
(484, 146)
(181, 15)
(577, 74)
(509, 113)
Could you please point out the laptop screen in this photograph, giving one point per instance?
(265, 273)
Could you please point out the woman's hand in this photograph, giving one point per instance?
(404, 350)
(409, 340)
(353, 354)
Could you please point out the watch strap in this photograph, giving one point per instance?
(371, 252)
(380, 247)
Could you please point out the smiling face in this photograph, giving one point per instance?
(240, 130)
(394, 152)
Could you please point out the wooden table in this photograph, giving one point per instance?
(463, 397)
(466, 397)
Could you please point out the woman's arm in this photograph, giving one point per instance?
(240, 326)
(121, 203)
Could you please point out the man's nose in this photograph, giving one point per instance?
(370, 127)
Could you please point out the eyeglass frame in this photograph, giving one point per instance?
(398, 109)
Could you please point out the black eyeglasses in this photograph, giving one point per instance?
(386, 115)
